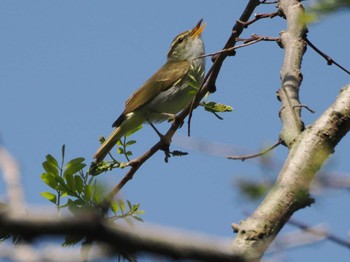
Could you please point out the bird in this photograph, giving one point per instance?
(165, 93)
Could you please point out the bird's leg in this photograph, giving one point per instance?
(170, 117)
(156, 130)
(165, 142)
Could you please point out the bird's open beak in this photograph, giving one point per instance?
(198, 29)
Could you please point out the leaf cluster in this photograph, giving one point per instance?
(123, 148)
(76, 191)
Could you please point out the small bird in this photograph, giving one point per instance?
(166, 93)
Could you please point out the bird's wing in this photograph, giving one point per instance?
(163, 79)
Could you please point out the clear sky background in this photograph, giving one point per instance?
(67, 67)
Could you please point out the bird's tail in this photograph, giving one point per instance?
(130, 122)
(107, 145)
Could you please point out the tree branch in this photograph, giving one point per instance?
(290, 192)
(329, 59)
(294, 47)
(323, 233)
(126, 240)
(263, 152)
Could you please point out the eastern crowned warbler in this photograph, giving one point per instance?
(166, 93)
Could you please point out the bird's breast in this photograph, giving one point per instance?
(177, 97)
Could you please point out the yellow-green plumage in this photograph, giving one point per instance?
(166, 93)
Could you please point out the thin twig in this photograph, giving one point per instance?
(306, 107)
(329, 236)
(135, 165)
(329, 60)
(258, 17)
(124, 239)
(257, 154)
(246, 42)
(209, 83)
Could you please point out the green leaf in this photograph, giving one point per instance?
(49, 179)
(49, 196)
(63, 151)
(216, 107)
(130, 132)
(138, 218)
(121, 205)
(64, 194)
(98, 193)
(129, 204)
(52, 160)
(60, 181)
(70, 182)
(50, 166)
(129, 143)
(79, 184)
(87, 196)
(140, 212)
(79, 202)
(120, 151)
(74, 166)
(135, 207)
(114, 207)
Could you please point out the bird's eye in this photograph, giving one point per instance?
(180, 40)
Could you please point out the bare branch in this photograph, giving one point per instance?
(298, 239)
(324, 233)
(50, 253)
(294, 47)
(329, 60)
(126, 240)
(258, 17)
(246, 42)
(265, 151)
(290, 192)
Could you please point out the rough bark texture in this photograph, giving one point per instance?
(291, 77)
(308, 148)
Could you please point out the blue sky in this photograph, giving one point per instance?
(67, 68)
